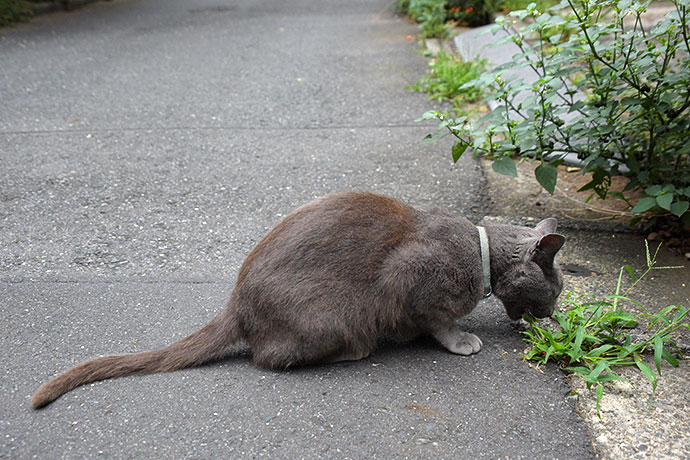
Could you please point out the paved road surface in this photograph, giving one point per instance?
(145, 149)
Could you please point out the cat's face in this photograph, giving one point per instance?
(533, 280)
(534, 291)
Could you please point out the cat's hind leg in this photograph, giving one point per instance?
(277, 354)
(349, 356)
(282, 354)
(458, 341)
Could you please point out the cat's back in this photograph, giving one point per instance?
(335, 232)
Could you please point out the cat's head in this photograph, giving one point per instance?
(531, 281)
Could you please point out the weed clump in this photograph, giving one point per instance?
(445, 80)
(594, 335)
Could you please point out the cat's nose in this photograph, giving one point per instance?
(550, 315)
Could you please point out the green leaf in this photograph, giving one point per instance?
(580, 370)
(682, 311)
(601, 180)
(547, 175)
(654, 190)
(646, 371)
(575, 355)
(431, 138)
(630, 271)
(658, 351)
(430, 115)
(660, 317)
(645, 204)
(505, 166)
(680, 207)
(598, 369)
(624, 4)
(579, 336)
(664, 201)
(599, 350)
(670, 358)
(560, 317)
(457, 150)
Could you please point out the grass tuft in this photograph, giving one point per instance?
(445, 80)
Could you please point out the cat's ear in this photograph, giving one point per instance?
(546, 249)
(547, 226)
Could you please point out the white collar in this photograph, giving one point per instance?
(486, 268)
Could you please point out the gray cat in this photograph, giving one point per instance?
(348, 268)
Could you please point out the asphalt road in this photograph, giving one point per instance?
(145, 148)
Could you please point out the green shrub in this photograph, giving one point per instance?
(431, 16)
(13, 11)
(633, 115)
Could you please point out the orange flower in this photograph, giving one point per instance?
(409, 37)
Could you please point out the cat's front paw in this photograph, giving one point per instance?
(459, 342)
(467, 344)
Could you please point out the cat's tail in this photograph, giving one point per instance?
(208, 343)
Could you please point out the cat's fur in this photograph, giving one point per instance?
(348, 268)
